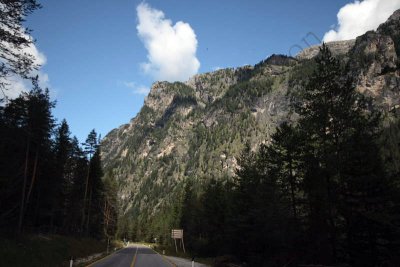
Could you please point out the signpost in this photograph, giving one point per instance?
(178, 234)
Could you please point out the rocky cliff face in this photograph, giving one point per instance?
(198, 128)
(375, 61)
(337, 48)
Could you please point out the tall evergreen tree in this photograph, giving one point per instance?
(190, 219)
(282, 158)
(110, 208)
(90, 147)
(77, 172)
(61, 180)
(40, 124)
(340, 160)
(95, 218)
(29, 124)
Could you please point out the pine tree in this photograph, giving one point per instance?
(341, 164)
(90, 147)
(110, 209)
(282, 157)
(95, 218)
(214, 217)
(190, 219)
(77, 172)
(245, 197)
(62, 179)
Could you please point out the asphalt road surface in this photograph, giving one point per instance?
(133, 256)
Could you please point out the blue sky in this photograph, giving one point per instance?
(94, 53)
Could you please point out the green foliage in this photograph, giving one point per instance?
(341, 164)
(300, 74)
(317, 192)
(312, 190)
(27, 153)
(45, 173)
(390, 147)
(50, 250)
(14, 35)
(178, 101)
(244, 93)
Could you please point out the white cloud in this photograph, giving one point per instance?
(137, 89)
(354, 19)
(15, 85)
(142, 90)
(130, 84)
(40, 58)
(171, 48)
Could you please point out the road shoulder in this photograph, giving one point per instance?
(181, 262)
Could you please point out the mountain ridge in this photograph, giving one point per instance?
(195, 130)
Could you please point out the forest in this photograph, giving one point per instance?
(49, 182)
(323, 190)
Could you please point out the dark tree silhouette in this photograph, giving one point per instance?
(14, 39)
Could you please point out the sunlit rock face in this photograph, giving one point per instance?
(198, 128)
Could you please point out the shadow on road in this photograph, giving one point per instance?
(126, 251)
(145, 251)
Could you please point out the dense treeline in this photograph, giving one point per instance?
(321, 191)
(48, 182)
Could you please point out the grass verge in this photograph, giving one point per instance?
(170, 251)
(43, 251)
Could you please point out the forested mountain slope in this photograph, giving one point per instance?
(197, 129)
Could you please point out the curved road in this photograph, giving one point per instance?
(133, 256)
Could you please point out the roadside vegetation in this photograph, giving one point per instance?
(322, 190)
(46, 250)
(53, 201)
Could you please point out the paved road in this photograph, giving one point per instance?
(133, 256)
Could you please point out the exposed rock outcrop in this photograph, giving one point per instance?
(197, 129)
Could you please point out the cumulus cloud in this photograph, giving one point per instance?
(354, 19)
(137, 89)
(171, 48)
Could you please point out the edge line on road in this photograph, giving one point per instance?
(134, 257)
(164, 258)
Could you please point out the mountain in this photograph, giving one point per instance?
(196, 130)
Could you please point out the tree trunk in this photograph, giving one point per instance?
(33, 175)
(89, 208)
(85, 196)
(292, 189)
(21, 209)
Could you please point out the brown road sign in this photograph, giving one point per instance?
(177, 233)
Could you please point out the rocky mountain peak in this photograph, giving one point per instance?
(395, 16)
(197, 129)
(279, 60)
(337, 48)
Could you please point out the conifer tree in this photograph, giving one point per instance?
(282, 158)
(90, 147)
(340, 159)
(62, 179)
